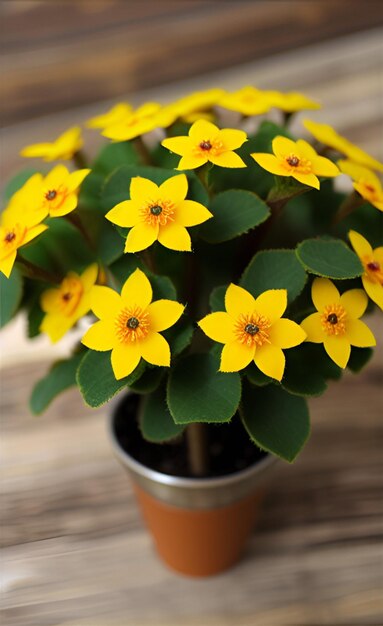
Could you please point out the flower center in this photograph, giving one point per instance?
(51, 194)
(158, 213)
(252, 330)
(374, 270)
(132, 324)
(303, 166)
(373, 266)
(67, 296)
(333, 320)
(9, 237)
(205, 145)
(70, 292)
(293, 160)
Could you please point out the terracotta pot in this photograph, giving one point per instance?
(200, 526)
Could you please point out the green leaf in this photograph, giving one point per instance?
(17, 182)
(116, 188)
(359, 358)
(35, 318)
(113, 155)
(179, 336)
(60, 377)
(197, 392)
(124, 267)
(96, 379)
(256, 377)
(11, 291)
(235, 213)
(330, 258)
(156, 422)
(305, 371)
(275, 420)
(162, 287)
(274, 269)
(217, 298)
(149, 380)
(110, 245)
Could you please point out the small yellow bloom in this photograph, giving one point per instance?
(206, 142)
(130, 325)
(290, 102)
(143, 120)
(63, 148)
(115, 115)
(336, 323)
(197, 105)
(248, 101)
(55, 195)
(329, 137)
(16, 230)
(252, 330)
(372, 261)
(158, 213)
(366, 183)
(296, 159)
(66, 304)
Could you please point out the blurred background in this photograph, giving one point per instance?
(75, 552)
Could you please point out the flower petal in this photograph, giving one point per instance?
(105, 302)
(236, 356)
(218, 326)
(282, 146)
(360, 244)
(324, 167)
(163, 314)
(270, 360)
(125, 358)
(48, 300)
(306, 179)
(175, 188)
(238, 301)
(143, 190)
(338, 349)
(355, 302)
(285, 333)
(155, 350)
(202, 130)
(232, 138)
(175, 237)
(101, 336)
(125, 214)
(312, 326)
(227, 159)
(359, 334)
(34, 232)
(190, 213)
(6, 264)
(56, 326)
(272, 304)
(76, 178)
(56, 176)
(270, 163)
(374, 291)
(178, 145)
(141, 236)
(36, 150)
(137, 290)
(323, 293)
(191, 162)
(65, 207)
(89, 276)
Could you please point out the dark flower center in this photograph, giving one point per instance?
(332, 318)
(156, 210)
(205, 145)
(67, 296)
(132, 323)
(50, 195)
(293, 161)
(9, 237)
(251, 329)
(374, 266)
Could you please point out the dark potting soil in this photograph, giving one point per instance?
(229, 446)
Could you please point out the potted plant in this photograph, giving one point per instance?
(219, 276)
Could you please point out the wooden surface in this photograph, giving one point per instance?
(75, 551)
(66, 53)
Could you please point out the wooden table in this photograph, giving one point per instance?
(76, 552)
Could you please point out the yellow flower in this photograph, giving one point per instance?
(336, 323)
(296, 159)
(55, 195)
(158, 213)
(130, 324)
(372, 261)
(16, 230)
(366, 183)
(115, 115)
(197, 105)
(329, 137)
(143, 120)
(290, 102)
(252, 330)
(66, 304)
(64, 147)
(248, 101)
(206, 142)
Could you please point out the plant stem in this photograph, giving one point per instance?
(143, 151)
(196, 438)
(77, 223)
(33, 271)
(350, 203)
(80, 160)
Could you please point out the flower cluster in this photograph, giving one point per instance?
(193, 247)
